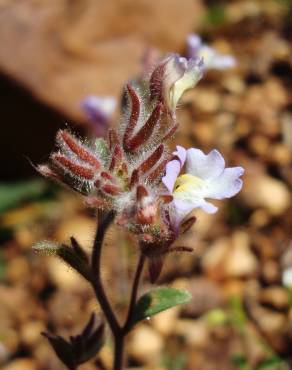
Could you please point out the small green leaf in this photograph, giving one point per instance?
(216, 317)
(47, 247)
(177, 362)
(216, 15)
(239, 360)
(270, 363)
(237, 313)
(159, 300)
(14, 193)
(102, 149)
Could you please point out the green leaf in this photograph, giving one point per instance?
(102, 149)
(270, 363)
(237, 313)
(177, 362)
(158, 300)
(13, 194)
(216, 317)
(216, 15)
(239, 360)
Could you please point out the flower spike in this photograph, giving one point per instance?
(131, 179)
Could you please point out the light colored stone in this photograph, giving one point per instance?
(195, 332)
(206, 100)
(165, 321)
(82, 228)
(213, 259)
(31, 332)
(10, 340)
(18, 270)
(21, 364)
(206, 295)
(286, 128)
(271, 271)
(240, 261)
(276, 296)
(234, 83)
(4, 354)
(281, 154)
(271, 322)
(106, 356)
(230, 257)
(146, 344)
(267, 192)
(63, 275)
(260, 218)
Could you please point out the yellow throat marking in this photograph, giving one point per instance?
(187, 183)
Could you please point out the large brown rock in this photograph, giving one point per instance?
(63, 50)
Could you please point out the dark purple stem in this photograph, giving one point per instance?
(134, 293)
(119, 352)
(104, 222)
(118, 332)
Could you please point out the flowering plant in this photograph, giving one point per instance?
(132, 179)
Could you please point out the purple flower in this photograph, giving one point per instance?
(212, 59)
(99, 111)
(206, 177)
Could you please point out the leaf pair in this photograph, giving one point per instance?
(79, 348)
(73, 255)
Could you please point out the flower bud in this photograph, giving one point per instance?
(146, 212)
(172, 77)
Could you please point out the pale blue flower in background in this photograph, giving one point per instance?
(99, 111)
(212, 59)
(205, 178)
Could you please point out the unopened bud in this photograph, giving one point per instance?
(147, 208)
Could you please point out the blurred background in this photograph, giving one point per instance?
(54, 53)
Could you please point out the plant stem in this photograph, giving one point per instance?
(119, 333)
(119, 339)
(104, 222)
(119, 352)
(105, 219)
(134, 293)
